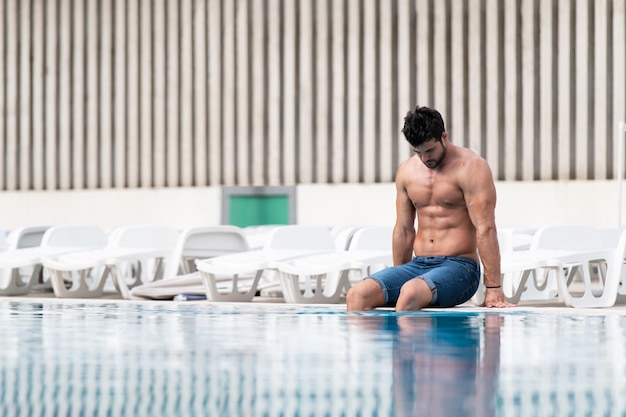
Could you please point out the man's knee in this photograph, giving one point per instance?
(365, 295)
(352, 296)
(414, 295)
(355, 298)
(413, 288)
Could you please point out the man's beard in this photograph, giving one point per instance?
(434, 163)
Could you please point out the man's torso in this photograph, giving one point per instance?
(444, 227)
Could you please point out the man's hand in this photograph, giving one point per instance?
(494, 297)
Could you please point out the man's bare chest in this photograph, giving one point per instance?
(437, 193)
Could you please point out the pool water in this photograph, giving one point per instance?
(61, 358)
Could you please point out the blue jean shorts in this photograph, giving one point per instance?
(452, 280)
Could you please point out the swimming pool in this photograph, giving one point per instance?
(70, 358)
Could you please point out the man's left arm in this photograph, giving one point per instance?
(480, 198)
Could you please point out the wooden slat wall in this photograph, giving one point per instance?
(171, 93)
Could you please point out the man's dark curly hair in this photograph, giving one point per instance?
(422, 125)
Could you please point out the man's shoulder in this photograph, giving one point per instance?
(406, 165)
(469, 158)
(468, 153)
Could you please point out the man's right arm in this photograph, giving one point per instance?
(404, 230)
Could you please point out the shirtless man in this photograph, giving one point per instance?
(451, 190)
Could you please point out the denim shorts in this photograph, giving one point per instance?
(452, 280)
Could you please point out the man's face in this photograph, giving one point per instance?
(431, 153)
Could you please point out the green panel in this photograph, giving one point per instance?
(254, 210)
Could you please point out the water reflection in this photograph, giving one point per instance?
(563, 364)
(158, 359)
(443, 365)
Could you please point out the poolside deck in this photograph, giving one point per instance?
(551, 307)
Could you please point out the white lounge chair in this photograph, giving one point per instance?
(19, 280)
(324, 278)
(594, 278)
(236, 277)
(533, 274)
(193, 244)
(588, 246)
(611, 236)
(21, 263)
(29, 237)
(517, 247)
(134, 254)
(373, 238)
(257, 235)
(554, 253)
(26, 237)
(343, 236)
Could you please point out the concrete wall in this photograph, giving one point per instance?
(519, 204)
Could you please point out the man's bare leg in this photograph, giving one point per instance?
(414, 295)
(365, 295)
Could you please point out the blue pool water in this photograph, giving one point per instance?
(147, 359)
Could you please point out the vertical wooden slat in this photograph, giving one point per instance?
(25, 116)
(492, 70)
(369, 113)
(440, 58)
(12, 94)
(172, 92)
(404, 94)
(546, 89)
(321, 93)
(475, 87)
(581, 88)
(456, 120)
(619, 73)
(121, 150)
(510, 92)
(337, 79)
(160, 160)
(91, 156)
(186, 92)
(601, 75)
(528, 91)
(216, 110)
(388, 124)
(564, 83)
(90, 101)
(51, 118)
(305, 91)
(3, 104)
(200, 93)
(65, 89)
(274, 91)
(354, 91)
(423, 60)
(338, 115)
(145, 86)
(228, 94)
(79, 80)
(133, 82)
(38, 36)
(289, 96)
(242, 124)
(106, 82)
(257, 92)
